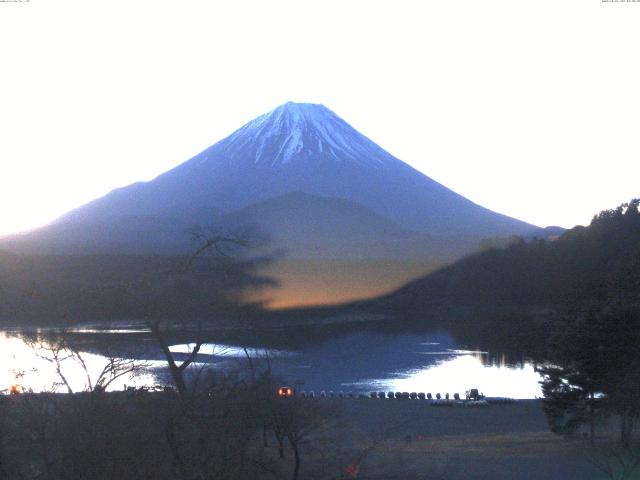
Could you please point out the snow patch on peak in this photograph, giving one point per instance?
(308, 132)
(293, 145)
(304, 134)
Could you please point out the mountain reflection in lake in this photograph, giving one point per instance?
(358, 362)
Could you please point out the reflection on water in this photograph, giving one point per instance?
(359, 362)
(31, 365)
(462, 372)
(454, 352)
(412, 362)
(109, 331)
(232, 351)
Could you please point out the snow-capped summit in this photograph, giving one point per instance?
(296, 148)
(304, 147)
(304, 132)
(353, 220)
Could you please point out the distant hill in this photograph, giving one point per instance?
(313, 227)
(306, 180)
(584, 266)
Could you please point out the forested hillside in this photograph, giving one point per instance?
(586, 266)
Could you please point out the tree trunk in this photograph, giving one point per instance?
(296, 456)
(177, 372)
(280, 446)
(46, 458)
(592, 427)
(628, 429)
(178, 379)
(265, 444)
(172, 443)
(624, 429)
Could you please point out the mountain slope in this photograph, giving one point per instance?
(130, 234)
(303, 148)
(313, 227)
(352, 219)
(585, 266)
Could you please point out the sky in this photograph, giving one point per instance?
(529, 108)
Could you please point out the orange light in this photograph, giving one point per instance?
(15, 389)
(285, 392)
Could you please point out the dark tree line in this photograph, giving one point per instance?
(592, 385)
(586, 265)
(594, 371)
(59, 290)
(574, 301)
(512, 295)
(214, 434)
(592, 368)
(214, 425)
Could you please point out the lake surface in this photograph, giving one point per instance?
(358, 362)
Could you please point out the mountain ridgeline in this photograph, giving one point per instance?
(335, 206)
(301, 148)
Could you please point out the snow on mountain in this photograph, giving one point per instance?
(303, 148)
(298, 147)
(304, 131)
(342, 208)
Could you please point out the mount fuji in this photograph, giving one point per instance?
(328, 196)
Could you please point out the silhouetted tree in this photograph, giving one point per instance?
(58, 348)
(594, 369)
(230, 283)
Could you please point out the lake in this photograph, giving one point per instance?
(358, 362)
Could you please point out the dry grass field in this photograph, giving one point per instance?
(408, 439)
(103, 437)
